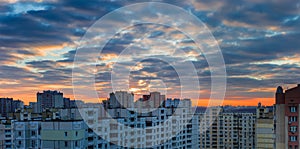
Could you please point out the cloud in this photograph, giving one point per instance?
(258, 39)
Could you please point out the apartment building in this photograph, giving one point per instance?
(131, 129)
(265, 137)
(104, 125)
(9, 105)
(26, 134)
(49, 99)
(220, 129)
(287, 118)
(6, 134)
(63, 134)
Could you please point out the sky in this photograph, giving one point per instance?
(259, 41)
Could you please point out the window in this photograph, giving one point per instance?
(76, 133)
(66, 144)
(20, 133)
(293, 138)
(33, 143)
(66, 134)
(293, 128)
(293, 119)
(76, 144)
(293, 109)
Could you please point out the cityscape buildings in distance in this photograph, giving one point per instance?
(56, 122)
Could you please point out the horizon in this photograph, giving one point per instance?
(203, 102)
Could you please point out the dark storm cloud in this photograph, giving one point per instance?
(62, 76)
(42, 65)
(53, 25)
(11, 72)
(269, 48)
(49, 72)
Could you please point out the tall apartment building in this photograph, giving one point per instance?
(6, 106)
(226, 129)
(9, 105)
(287, 118)
(63, 134)
(121, 99)
(153, 100)
(65, 128)
(145, 135)
(2, 136)
(48, 134)
(156, 99)
(264, 135)
(6, 134)
(50, 99)
(26, 134)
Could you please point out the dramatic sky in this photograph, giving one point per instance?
(259, 41)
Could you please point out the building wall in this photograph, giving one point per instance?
(6, 106)
(49, 99)
(280, 126)
(26, 134)
(228, 130)
(264, 136)
(287, 117)
(59, 128)
(63, 134)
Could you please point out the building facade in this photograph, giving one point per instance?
(220, 129)
(49, 99)
(264, 136)
(8, 105)
(287, 117)
(89, 127)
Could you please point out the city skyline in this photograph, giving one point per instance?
(258, 39)
(135, 98)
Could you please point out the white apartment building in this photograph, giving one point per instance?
(142, 130)
(26, 134)
(121, 99)
(171, 125)
(131, 129)
(6, 135)
(63, 134)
